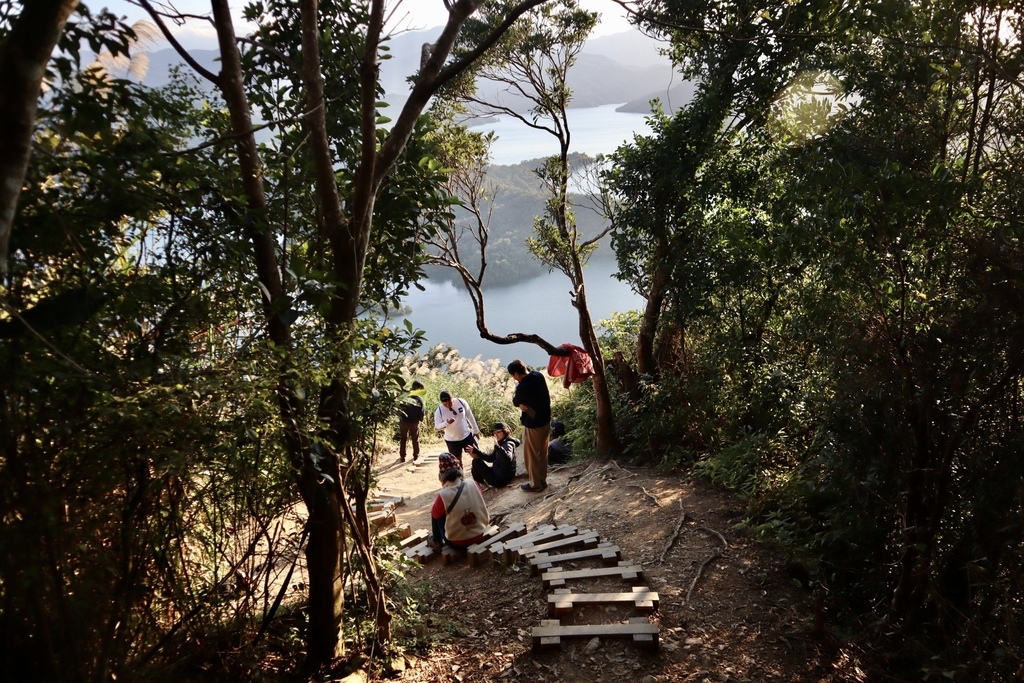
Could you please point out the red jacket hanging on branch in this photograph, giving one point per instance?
(576, 367)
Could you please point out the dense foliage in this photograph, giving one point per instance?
(142, 473)
(828, 239)
(146, 475)
(840, 317)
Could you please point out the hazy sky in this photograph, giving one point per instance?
(408, 14)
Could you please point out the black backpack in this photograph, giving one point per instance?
(412, 410)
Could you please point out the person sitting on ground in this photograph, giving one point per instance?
(459, 515)
(560, 448)
(498, 467)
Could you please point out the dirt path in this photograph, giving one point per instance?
(729, 611)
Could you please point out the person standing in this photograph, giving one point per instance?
(459, 515)
(412, 413)
(497, 468)
(455, 417)
(533, 399)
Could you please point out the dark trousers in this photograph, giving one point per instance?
(437, 526)
(407, 431)
(457, 448)
(484, 473)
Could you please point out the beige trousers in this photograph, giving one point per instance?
(535, 454)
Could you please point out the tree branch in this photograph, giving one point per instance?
(432, 77)
(281, 57)
(182, 52)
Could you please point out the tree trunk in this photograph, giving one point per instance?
(324, 548)
(606, 444)
(645, 358)
(27, 50)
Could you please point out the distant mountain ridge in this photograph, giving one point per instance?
(614, 69)
(624, 67)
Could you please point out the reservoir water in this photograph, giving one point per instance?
(595, 130)
(539, 306)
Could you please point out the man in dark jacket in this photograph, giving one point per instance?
(498, 467)
(533, 399)
(409, 421)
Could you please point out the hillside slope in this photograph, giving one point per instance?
(729, 611)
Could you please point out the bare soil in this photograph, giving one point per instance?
(730, 608)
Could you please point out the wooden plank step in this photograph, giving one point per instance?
(480, 551)
(563, 601)
(450, 555)
(420, 463)
(414, 538)
(546, 532)
(606, 552)
(422, 552)
(540, 535)
(556, 576)
(380, 502)
(642, 632)
(504, 552)
(382, 519)
(539, 532)
(585, 539)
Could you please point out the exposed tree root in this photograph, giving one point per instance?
(675, 534)
(725, 543)
(581, 475)
(649, 496)
(614, 465)
(700, 572)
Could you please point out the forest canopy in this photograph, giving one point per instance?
(827, 240)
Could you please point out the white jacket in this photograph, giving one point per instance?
(468, 517)
(464, 425)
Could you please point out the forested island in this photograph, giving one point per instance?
(199, 396)
(519, 196)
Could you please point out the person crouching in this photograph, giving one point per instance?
(498, 467)
(459, 515)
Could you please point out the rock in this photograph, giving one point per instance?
(592, 646)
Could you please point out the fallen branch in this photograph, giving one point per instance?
(725, 543)
(675, 534)
(700, 572)
(646, 493)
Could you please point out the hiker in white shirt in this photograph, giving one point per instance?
(455, 417)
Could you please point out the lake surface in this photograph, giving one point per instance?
(594, 130)
(537, 306)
